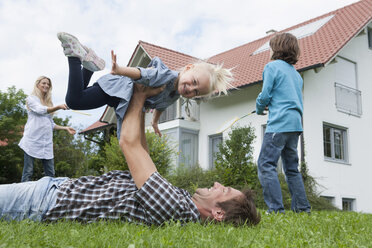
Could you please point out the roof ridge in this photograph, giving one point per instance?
(164, 48)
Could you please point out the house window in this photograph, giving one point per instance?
(335, 143)
(370, 38)
(169, 113)
(348, 204)
(346, 72)
(348, 97)
(188, 147)
(329, 199)
(214, 142)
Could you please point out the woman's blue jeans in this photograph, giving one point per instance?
(285, 145)
(28, 167)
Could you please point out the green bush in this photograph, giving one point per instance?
(112, 158)
(234, 162)
(192, 178)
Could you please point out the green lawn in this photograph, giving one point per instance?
(320, 229)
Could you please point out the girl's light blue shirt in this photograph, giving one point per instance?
(155, 75)
(282, 93)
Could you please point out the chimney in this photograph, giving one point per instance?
(271, 31)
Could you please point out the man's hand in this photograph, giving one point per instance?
(146, 91)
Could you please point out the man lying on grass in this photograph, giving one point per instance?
(141, 195)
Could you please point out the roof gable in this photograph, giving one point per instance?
(173, 59)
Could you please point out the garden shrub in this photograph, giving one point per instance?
(112, 158)
(192, 178)
(234, 162)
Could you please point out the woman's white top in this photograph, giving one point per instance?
(37, 140)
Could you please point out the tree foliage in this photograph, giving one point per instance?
(13, 117)
(234, 162)
(112, 158)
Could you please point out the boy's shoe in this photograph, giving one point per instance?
(73, 48)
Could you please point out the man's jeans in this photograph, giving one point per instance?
(28, 168)
(29, 200)
(285, 145)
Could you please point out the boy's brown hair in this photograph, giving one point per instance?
(285, 47)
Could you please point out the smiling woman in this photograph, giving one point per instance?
(37, 140)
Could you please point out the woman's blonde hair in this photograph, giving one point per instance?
(46, 99)
(220, 78)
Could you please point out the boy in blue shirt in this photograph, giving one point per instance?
(282, 94)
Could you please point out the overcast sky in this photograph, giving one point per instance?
(201, 28)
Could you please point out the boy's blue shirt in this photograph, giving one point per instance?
(282, 94)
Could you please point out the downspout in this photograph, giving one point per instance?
(302, 139)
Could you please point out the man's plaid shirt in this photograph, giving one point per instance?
(115, 196)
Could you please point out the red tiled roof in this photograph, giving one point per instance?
(97, 125)
(316, 49)
(173, 59)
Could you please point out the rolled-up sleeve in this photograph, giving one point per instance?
(52, 123)
(163, 202)
(35, 106)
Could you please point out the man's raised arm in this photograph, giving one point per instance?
(139, 161)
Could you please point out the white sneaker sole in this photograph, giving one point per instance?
(76, 48)
(87, 56)
(92, 62)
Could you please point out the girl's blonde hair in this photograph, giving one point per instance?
(220, 78)
(46, 99)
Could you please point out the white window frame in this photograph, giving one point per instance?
(212, 153)
(330, 199)
(344, 133)
(349, 202)
(369, 37)
(183, 158)
(169, 114)
(348, 99)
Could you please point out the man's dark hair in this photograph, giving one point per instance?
(285, 47)
(241, 210)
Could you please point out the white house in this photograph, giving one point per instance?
(336, 66)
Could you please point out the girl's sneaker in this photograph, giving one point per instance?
(92, 62)
(73, 48)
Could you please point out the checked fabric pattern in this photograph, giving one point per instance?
(115, 196)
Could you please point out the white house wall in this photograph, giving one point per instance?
(218, 111)
(340, 180)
